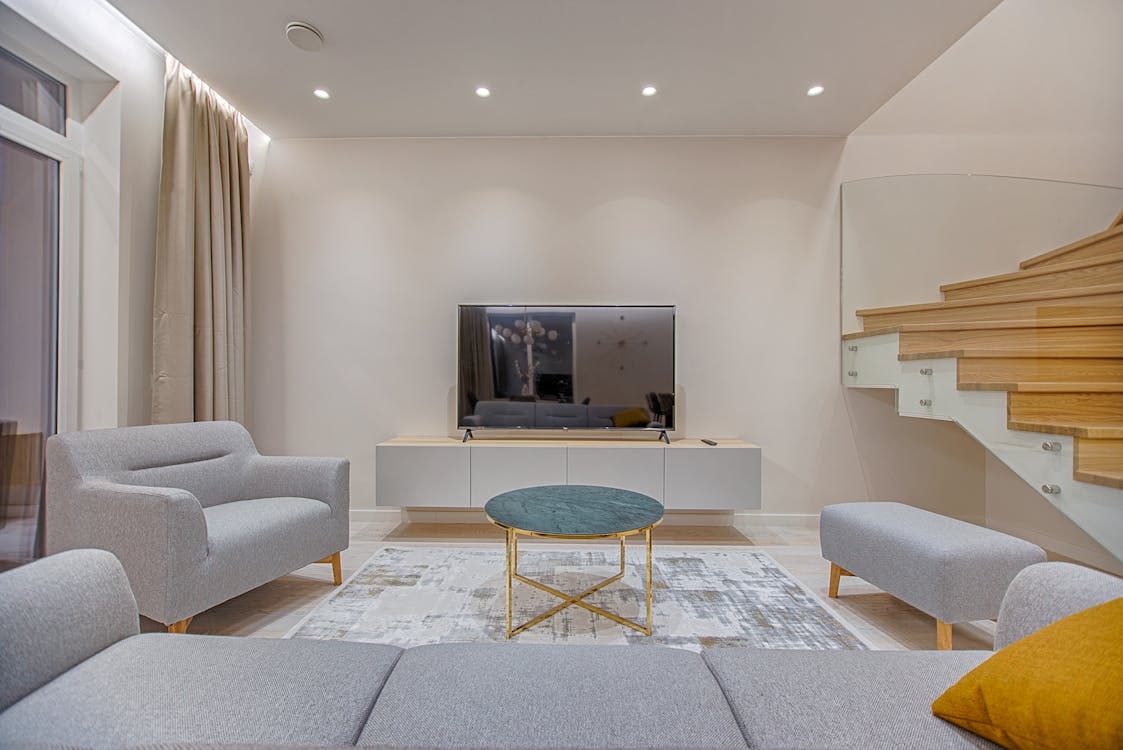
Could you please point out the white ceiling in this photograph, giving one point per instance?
(558, 67)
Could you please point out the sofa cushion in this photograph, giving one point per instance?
(183, 688)
(1061, 686)
(57, 612)
(203, 458)
(252, 541)
(843, 699)
(462, 695)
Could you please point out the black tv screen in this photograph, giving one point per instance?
(583, 367)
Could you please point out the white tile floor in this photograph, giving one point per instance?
(885, 622)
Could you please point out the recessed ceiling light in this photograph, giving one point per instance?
(483, 92)
(321, 94)
(815, 90)
(649, 91)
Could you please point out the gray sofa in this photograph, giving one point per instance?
(193, 512)
(546, 415)
(76, 672)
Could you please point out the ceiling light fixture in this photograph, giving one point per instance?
(815, 90)
(321, 94)
(483, 92)
(304, 36)
(649, 91)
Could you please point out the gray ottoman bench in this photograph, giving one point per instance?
(950, 569)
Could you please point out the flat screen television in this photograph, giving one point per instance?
(584, 367)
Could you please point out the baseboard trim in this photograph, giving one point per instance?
(372, 515)
(799, 520)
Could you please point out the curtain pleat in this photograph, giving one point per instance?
(477, 377)
(198, 337)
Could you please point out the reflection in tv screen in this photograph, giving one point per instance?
(577, 368)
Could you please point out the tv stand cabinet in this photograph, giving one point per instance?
(445, 472)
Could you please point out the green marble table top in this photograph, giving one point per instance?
(574, 510)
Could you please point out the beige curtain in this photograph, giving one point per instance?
(198, 332)
(477, 377)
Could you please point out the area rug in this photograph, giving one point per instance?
(733, 596)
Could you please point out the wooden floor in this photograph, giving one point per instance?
(269, 611)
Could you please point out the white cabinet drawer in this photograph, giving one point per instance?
(699, 476)
(502, 468)
(426, 476)
(635, 469)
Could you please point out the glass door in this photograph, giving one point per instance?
(29, 264)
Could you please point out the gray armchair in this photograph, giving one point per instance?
(194, 513)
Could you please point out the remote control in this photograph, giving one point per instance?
(707, 441)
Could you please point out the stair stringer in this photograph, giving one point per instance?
(927, 389)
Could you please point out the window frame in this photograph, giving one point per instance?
(67, 151)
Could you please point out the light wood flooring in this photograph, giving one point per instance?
(885, 622)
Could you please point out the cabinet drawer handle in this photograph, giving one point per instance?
(852, 373)
(1051, 445)
(1051, 489)
(853, 347)
(925, 402)
(926, 371)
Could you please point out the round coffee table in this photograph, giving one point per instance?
(573, 511)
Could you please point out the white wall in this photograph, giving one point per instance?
(904, 236)
(1031, 91)
(122, 174)
(363, 249)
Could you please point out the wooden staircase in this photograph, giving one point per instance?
(1048, 336)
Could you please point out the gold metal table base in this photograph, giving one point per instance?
(579, 599)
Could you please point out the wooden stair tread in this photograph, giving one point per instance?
(1061, 427)
(1059, 387)
(1034, 271)
(1100, 476)
(1111, 319)
(1084, 291)
(965, 353)
(1044, 258)
(983, 373)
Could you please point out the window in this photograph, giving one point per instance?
(32, 93)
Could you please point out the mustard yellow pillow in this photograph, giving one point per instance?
(630, 418)
(1061, 687)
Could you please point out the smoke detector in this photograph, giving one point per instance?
(305, 36)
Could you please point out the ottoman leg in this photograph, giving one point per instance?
(943, 635)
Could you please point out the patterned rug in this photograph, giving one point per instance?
(414, 595)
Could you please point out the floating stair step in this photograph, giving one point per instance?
(1115, 386)
(1010, 307)
(1099, 461)
(1106, 340)
(1088, 414)
(1107, 269)
(1108, 351)
(1069, 428)
(1107, 242)
(1097, 407)
(995, 373)
(1111, 317)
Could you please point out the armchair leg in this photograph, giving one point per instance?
(179, 627)
(336, 567)
(836, 573)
